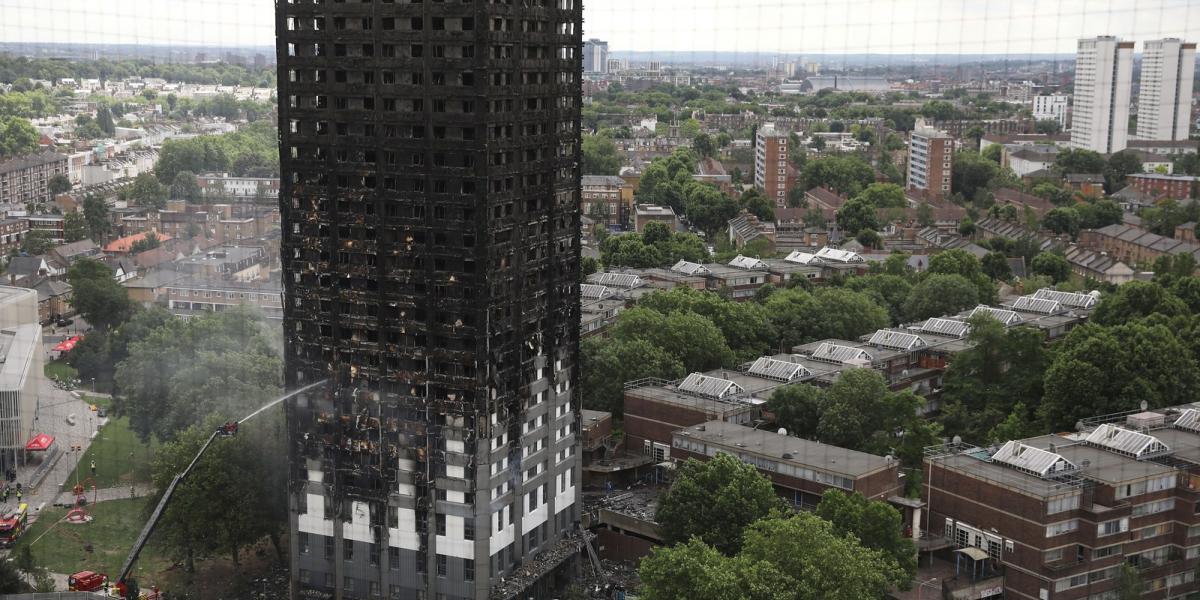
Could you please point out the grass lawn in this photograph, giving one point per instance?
(60, 370)
(104, 401)
(64, 549)
(121, 457)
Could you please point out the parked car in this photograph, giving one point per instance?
(63, 322)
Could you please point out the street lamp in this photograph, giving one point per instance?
(921, 586)
(93, 385)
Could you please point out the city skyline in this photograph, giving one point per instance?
(886, 27)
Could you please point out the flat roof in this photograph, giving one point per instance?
(594, 415)
(978, 464)
(18, 345)
(806, 453)
(676, 398)
(232, 254)
(1102, 465)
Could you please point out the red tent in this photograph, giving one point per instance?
(68, 345)
(40, 442)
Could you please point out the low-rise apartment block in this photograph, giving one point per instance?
(1061, 514)
(24, 179)
(800, 469)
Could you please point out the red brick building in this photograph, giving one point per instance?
(801, 469)
(1178, 187)
(1060, 514)
(771, 169)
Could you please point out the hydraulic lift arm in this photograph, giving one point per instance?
(158, 510)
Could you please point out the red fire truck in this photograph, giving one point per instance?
(86, 581)
(12, 525)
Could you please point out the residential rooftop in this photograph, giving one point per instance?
(738, 439)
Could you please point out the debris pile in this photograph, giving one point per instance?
(538, 565)
(639, 503)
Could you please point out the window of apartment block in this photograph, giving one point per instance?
(1112, 527)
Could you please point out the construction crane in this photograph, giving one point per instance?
(128, 588)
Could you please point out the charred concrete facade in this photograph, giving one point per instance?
(430, 208)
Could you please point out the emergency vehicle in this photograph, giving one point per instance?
(13, 525)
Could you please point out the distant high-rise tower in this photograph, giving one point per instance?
(1103, 74)
(771, 164)
(930, 161)
(1165, 100)
(595, 56)
(430, 194)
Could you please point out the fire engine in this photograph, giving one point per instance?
(13, 525)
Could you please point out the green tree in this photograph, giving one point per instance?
(703, 145)
(966, 227)
(1129, 583)
(11, 581)
(1018, 425)
(925, 216)
(961, 262)
(104, 120)
(690, 338)
(17, 136)
(856, 215)
(1054, 193)
(97, 297)
(222, 364)
(630, 251)
(1099, 213)
(1062, 220)
(95, 213)
(805, 558)
(1001, 366)
(995, 265)
(1051, 265)
(708, 208)
(994, 153)
(1120, 165)
(744, 325)
(843, 174)
(36, 242)
(58, 184)
(714, 501)
(149, 242)
(971, 173)
(1077, 160)
(799, 317)
(1187, 163)
(587, 266)
(74, 227)
(876, 524)
(203, 515)
(758, 205)
(888, 290)
(869, 238)
(600, 155)
(1115, 368)
(607, 363)
(691, 570)
(185, 186)
(797, 408)
(1136, 300)
(815, 217)
(147, 191)
(941, 294)
(1047, 126)
(884, 195)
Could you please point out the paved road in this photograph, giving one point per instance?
(54, 407)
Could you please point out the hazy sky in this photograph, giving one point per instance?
(700, 26)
